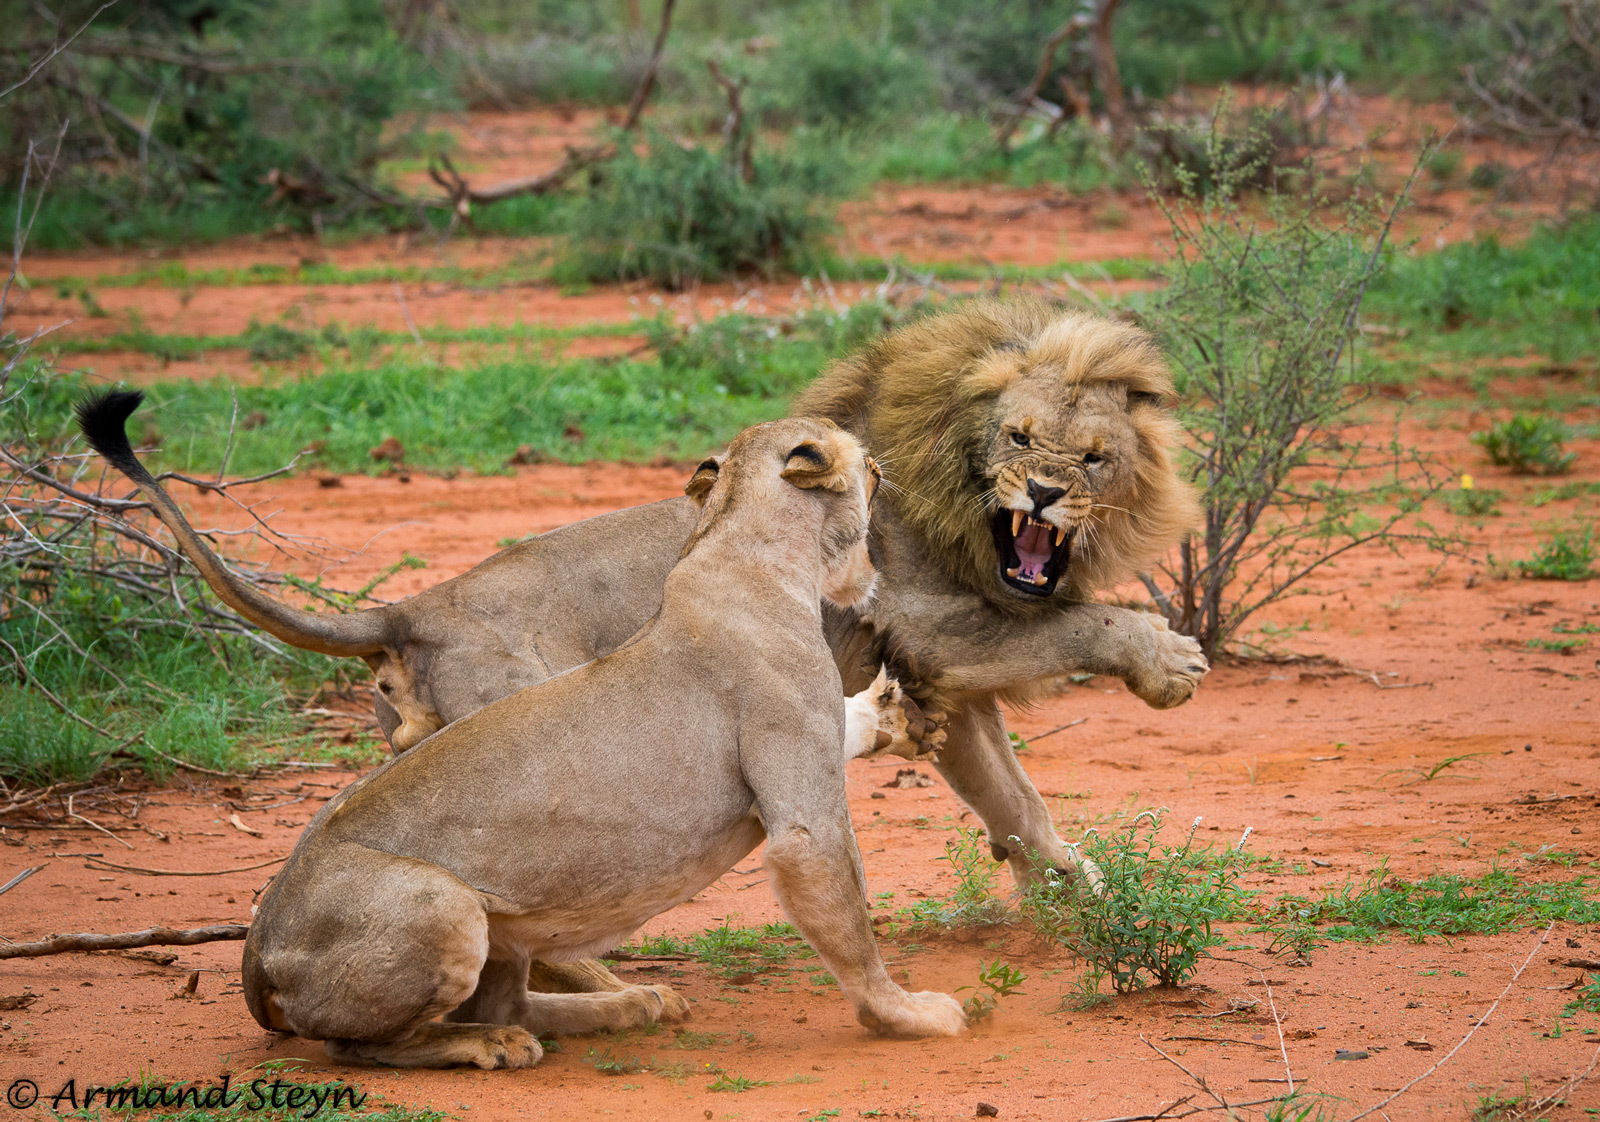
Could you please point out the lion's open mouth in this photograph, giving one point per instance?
(1032, 554)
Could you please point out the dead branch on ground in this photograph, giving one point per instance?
(152, 937)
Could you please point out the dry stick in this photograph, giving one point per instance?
(45, 61)
(153, 937)
(1278, 1024)
(405, 310)
(1533, 1109)
(1195, 1079)
(1167, 1113)
(1058, 728)
(74, 814)
(1047, 58)
(19, 878)
(1223, 1040)
(1475, 1027)
(95, 863)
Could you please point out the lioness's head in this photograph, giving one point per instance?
(1028, 446)
(800, 476)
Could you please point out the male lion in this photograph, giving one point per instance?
(554, 822)
(990, 419)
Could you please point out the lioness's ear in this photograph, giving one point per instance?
(810, 465)
(702, 479)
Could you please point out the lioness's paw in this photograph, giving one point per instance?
(1173, 670)
(507, 1046)
(904, 728)
(674, 1009)
(917, 1015)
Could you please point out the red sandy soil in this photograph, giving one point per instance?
(1321, 756)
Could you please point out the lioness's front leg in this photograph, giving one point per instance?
(980, 766)
(817, 877)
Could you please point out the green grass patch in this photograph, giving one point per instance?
(731, 951)
(1444, 905)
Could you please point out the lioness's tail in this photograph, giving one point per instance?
(102, 418)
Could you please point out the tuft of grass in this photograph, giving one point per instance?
(732, 950)
(1528, 444)
(1565, 555)
(1468, 501)
(1156, 914)
(737, 1084)
(607, 1063)
(1557, 646)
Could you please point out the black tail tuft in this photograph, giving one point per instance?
(102, 418)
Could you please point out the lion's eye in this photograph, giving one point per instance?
(1020, 439)
(1092, 457)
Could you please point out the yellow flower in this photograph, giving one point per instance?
(1466, 482)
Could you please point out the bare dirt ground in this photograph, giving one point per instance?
(1398, 667)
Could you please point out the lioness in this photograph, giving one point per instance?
(1026, 459)
(553, 822)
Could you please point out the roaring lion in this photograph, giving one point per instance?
(553, 822)
(1026, 464)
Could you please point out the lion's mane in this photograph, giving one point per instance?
(922, 398)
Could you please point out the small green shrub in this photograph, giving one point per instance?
(673, 215)
(1001, 979)
(1567, 555)
(1528, 444)
(973, 903)
(1444, 164)
(1155, 916)
(1468, 501)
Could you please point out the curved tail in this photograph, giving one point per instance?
(102, 418)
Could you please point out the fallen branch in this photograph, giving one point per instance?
(1058, 728)
(153, 937)
(1277, 1023)
(19, 878)
(1047, 57)
(95, 863)
(1476, 1025)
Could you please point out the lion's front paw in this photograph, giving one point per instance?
(904, 728)
(917, 1015)
(1173, 668)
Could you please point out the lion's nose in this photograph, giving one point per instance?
(1043, 496)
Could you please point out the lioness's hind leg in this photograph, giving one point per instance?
(446, 1045)
(502, 998)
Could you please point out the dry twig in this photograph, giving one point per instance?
(152, 937)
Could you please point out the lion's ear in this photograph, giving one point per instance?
(1145, 397)
(702, 479)
(809, 465)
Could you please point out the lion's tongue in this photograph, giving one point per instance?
(1033, 550)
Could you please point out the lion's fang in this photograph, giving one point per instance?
(1016, 524)
(1040, 578)
(1061, 536)
(1013, 573)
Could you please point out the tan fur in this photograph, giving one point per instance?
(553, 822)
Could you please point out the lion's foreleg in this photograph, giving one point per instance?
(980, 766)
(502, 997)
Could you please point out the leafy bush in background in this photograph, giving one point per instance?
(676, 214)
(836, 78)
